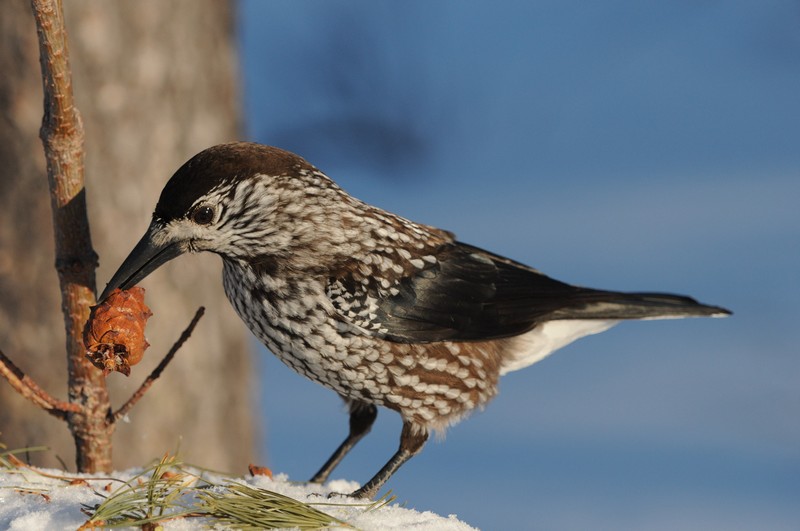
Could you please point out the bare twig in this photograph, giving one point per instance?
(123, 410)
(88, 412)
(76, 261)
(29, 389)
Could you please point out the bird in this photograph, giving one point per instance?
(384, 311)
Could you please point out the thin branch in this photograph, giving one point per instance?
(63, 140)
(122, 411)
(29, 389)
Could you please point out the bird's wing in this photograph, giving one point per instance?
(463, 293)
(459, 292)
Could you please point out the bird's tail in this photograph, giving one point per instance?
(592, 304)
(591, 311)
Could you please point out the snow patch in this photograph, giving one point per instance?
(30, 501)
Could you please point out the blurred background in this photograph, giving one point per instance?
(626, 145)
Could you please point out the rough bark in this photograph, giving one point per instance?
(156, 82)
(62, 137)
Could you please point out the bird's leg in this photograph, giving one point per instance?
(362, 416)
(412, 439)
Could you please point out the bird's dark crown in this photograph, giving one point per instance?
(220, 164)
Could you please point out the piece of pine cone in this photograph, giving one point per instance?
(114, 334)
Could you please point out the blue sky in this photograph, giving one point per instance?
(622, 145)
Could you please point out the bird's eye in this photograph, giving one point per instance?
(203, 215)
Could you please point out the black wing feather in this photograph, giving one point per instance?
(470, 294)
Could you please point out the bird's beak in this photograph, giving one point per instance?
(152, 251)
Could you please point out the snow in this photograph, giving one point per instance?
(38, 499)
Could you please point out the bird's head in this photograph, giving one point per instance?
(239, 200)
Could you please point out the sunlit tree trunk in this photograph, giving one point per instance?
(155, 82)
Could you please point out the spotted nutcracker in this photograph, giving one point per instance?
(382, 310)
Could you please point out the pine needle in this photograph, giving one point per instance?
(9, 459)
(250, 509)
(140, 501)
(369, 505)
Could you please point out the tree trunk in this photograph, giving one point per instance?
(155, 83)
